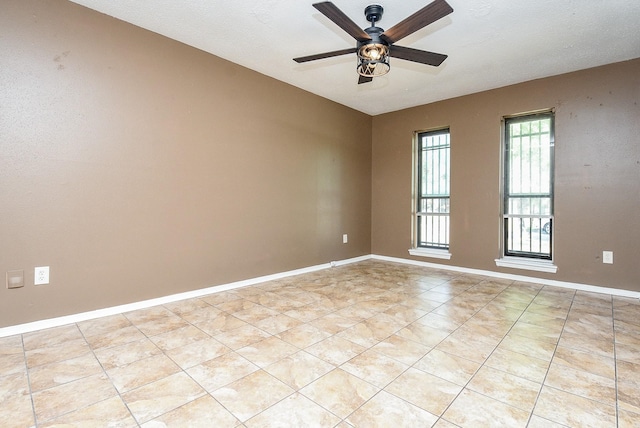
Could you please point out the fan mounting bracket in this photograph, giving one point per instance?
(373, 13)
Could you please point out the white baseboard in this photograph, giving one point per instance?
(552, 282)
(114, 310)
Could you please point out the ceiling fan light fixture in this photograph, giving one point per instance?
(374, 44)
(373, 59)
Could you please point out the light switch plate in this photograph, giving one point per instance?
(15, 279)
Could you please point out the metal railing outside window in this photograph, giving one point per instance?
(433, 199)
(528, 186)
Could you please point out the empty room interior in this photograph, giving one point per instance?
(194, 240)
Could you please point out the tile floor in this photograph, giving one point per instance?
(373, 344)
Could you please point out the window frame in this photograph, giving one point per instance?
(441, 249)
(519, 258)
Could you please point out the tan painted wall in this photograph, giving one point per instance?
(137, 167)
(597, 173)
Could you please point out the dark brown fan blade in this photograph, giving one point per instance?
(425, 16)
(416, 55)
(364, 79)
(332, 12)
(325, 55)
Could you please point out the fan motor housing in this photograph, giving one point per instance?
(374, 33)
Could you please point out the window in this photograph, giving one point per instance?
(528, 186)
(432, 201)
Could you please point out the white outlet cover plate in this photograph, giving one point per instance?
(607, 257)
(41, 275)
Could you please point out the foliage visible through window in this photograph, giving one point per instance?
(528, 186)
(433, 200)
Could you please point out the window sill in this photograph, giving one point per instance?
(430, 252)
(527, 264)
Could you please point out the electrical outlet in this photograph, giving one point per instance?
(15, 279)
(607, 257)
(41, 275)
(345, 238)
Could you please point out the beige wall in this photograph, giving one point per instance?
(597, 173)
(137, 167)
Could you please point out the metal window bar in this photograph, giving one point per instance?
(432, 216)
(433, 224)
(528, 236)
(528, 189)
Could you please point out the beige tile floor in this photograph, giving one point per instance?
(373, 344)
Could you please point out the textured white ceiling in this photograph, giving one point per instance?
(490, 43)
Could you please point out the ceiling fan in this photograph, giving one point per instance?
(374, 45)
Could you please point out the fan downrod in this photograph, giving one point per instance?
(373, 13)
